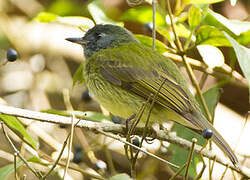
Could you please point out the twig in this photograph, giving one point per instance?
(190, 158)
(187, 65)
(178, 172)
(134, 146)
(70, 144)
(112, 128)
(18, 154)
(58, 158)
(15, 169)
(224, 173)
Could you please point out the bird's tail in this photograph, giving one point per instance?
(200, 121)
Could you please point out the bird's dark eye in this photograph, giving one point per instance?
(99, 35)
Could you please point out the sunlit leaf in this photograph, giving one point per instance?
(194, 17)
(164, 32)
(211, 36)
(46, 17)
(147, 41)
(5, 171)
(77, 21)
(96, 10)
(84, 22)
(211, 55)
(182, 30)
(244, 38)
(78, 75)
(121, 176)
(142, 14)
(201, 1)
(243, 56)
(14, 124)
(232, 27)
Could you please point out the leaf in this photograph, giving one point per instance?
(201, 1)
(243, 56)
(84, 22)
(180, 155)
(46, 17)
(194, 17)
(211, 97)
(96, 10)
(142, 14)
(211, 36)
(5, 171)
(164, 32)
(244, 38)
(232, 27)
(182, 30)
(88, 115)
(121, 176)
(147, 41)
(211, 55)
(14, 124)
(78, 75)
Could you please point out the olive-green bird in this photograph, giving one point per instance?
(122, 74)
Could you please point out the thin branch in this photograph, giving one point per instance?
(134, 146)
(18, 154)
(113, 128)
(194, 140)
(58, 158)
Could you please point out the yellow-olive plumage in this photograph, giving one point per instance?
(122, 74)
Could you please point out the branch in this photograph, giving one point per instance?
(114, 128)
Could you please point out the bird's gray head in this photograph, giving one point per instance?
(102, 37)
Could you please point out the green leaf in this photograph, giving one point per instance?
(201, 1)
(211, 36)
(121, 176)
(78, 76)
(5, 171)
(142, 14)
(243, 56)
(211, 97)
(244, 38)
(180, 155)
(88, 115)
(147, 41)
(211, 55)
(46, 17)
(84, 22)
(232, 27)
(14, 124)
(182, 30)
(194, 17)
(96, 10)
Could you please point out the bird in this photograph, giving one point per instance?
(122, 74)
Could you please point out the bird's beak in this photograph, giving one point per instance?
(80, 41)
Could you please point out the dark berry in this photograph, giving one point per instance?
(136, 141)
(62, 126)
(116, 119)
(12, 55)
(86, 96)
(207, 133)
(77, 157)
(77, 148)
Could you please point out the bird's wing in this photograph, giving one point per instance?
(146, 82)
